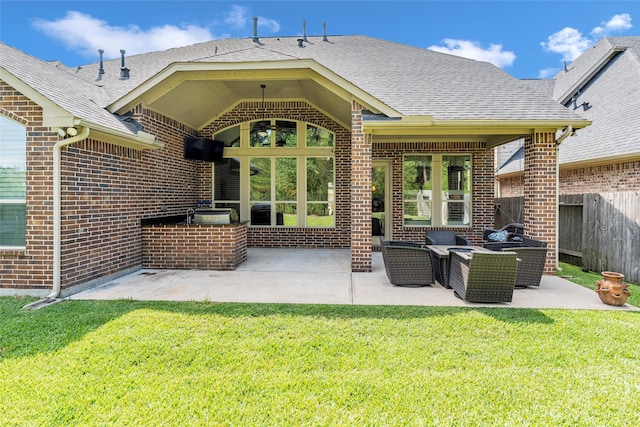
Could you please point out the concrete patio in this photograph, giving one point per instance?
(319, 276)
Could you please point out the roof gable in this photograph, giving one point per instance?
(602, 85)
(392, 78)
(410, 80)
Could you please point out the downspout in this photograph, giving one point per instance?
(57, 209)
(567, 132)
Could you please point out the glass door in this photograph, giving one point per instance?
(380, 220)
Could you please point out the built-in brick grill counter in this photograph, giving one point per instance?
(170, 244)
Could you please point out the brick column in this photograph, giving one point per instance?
(540, 192)
(361, 152)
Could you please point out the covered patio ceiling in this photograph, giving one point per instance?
(197, 102)
(197, 97)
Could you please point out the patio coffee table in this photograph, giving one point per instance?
(440, 256)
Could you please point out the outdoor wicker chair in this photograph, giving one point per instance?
(532, 255)
(483, 277)
(406, 263)
(445, 237)
(506, 233)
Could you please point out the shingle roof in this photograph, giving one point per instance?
(607, 77)
(545, 87)
(411, 80)
(78, 97)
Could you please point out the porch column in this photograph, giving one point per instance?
(361, 152)
(540, 201)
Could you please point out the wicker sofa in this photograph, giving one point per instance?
(483, 277)
(532, 255)
(407, 263)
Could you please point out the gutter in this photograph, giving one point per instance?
(57, 203)
(568, 131)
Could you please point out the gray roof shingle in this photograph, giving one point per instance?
(410, 80)
(607, 77)
(80, 98)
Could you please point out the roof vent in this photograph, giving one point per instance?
(124, 71)
(101, 70)
(255, 29)
(304, 31)
(300, 42)
(324, 32)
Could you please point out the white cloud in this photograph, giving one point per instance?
(237, 17)
(472, 50)
(571, 43)
(548, 73)
(617, 23)
(568, 42)
(87, 34)
(270, 24)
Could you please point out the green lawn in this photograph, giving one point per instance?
(126, 363)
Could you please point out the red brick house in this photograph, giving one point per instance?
(323, 137)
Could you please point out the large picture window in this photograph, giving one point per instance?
(13, 184)
(277, 173)
(437, 190)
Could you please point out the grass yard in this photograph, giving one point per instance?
(126, 363)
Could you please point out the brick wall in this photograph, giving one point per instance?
(620, 176)
(623, 176)
(220, 247)
(267, 237)
(539, 210)
(512, 186)
(361, 163)
(106, 191)
(31, 267)
(482, 191)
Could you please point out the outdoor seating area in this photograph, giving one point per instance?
(532, 255)
(487, 273)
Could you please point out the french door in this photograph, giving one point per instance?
(380, 201)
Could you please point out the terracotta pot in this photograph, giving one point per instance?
(611, 289)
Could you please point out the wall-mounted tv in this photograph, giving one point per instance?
(208, 150)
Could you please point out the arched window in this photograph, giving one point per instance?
(13, 183)
(277, 173)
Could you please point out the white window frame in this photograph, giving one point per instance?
(10, 137)
(437, 201)
(301, 152)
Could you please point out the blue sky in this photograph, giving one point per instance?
(528, 39)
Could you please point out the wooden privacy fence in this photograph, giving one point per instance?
(597, 231)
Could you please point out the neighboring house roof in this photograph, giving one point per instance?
(602, 85)
(410, 81)
(545, 87)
